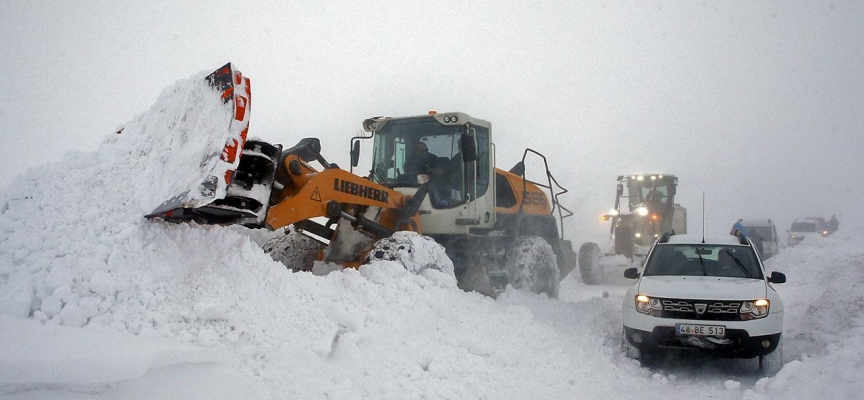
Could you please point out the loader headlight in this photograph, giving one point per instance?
(642, 211)
(648, 305)
(754, 309)
(613, 212)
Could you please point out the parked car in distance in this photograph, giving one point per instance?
(766, 229)
(708, 295)
(804, 227)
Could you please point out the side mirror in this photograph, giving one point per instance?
(620, 190)
(468, 147)
(777, 277)
(631, 273)
(355, 153)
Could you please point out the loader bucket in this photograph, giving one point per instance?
(236, 186)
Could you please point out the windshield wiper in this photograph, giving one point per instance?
(741, 266)
(702, 264)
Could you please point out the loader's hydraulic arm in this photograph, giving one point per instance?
(307, 193)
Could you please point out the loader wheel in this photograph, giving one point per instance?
(296, 251)
(589, 264)
(470, 267)
(416, 252)
(531, 265)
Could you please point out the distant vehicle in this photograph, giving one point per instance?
(711, 296)
(766, 229)
(802, 228)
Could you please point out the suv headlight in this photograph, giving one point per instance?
(754, 309)
(648, 305)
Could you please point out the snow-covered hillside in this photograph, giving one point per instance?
(98, 302)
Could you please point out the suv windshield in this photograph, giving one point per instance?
(703, 260)
(804, 227)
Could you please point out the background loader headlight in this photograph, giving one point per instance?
(613, 212)
(754, 309)
(642, 211)
(648, 305)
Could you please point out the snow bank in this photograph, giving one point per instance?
(824, 335)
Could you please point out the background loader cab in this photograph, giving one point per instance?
(644, 207)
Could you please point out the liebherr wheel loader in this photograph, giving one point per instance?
(498, 227)
(647, 210)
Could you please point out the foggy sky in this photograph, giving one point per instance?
(755, 103)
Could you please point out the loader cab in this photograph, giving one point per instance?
(656, 192)
(644, 207)
(454, 150)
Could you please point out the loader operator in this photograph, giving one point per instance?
(424, 162)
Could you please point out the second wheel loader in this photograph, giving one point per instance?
(433, 174)
(644, 208)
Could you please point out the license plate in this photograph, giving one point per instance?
(700, 330)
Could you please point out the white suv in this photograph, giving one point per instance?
(767, 231)
(705, 295)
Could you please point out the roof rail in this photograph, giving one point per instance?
(741, 238)
(664, 238)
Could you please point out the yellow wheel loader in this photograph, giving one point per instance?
(644, 208)
(433, 174)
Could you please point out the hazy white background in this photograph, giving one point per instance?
(756, 103)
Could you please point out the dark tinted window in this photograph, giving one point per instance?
(764, 231)
(504, 195)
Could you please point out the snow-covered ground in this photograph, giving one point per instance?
(98, 302)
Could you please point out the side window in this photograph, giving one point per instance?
(399, 160)
(504, 196)
(483, 149)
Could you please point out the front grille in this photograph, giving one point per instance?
(711, 310)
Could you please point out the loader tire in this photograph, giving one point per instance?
(589, 264)
(414, 251)
(531, 265)
(296, 251)
(470, 267)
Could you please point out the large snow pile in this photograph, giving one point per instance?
(824, 336)
(99, 303)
